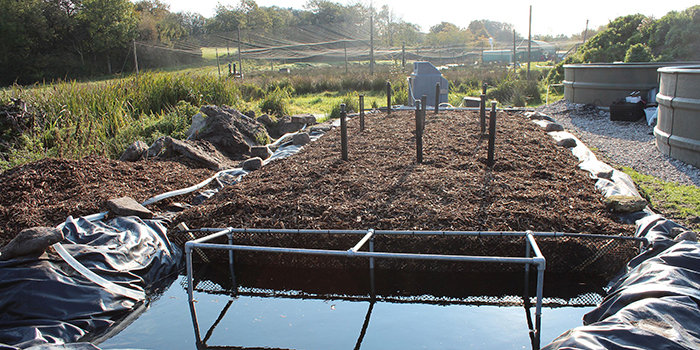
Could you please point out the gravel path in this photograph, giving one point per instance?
(630, 144)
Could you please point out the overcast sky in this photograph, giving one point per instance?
(548, 16)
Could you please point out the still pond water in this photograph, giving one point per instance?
(284, 323)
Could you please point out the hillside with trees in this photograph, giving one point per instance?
(45, 40)
(637, 38)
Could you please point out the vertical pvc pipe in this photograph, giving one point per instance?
(230, 262)
(371, 267)
(492, 133)
(526, 292)
(388, 97)
(419, 133)
(362, 112)
(538, 309)
(437, 97)
(343, 132)
(190, 288)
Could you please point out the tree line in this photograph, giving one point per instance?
(69, 39)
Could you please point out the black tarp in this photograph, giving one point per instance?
(654, 305)
(47, 301)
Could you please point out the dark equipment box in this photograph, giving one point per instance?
(627, 111)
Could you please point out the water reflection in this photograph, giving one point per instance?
(305, 288)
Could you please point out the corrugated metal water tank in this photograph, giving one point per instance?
(422, 82)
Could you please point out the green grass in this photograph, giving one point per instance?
(680, 203)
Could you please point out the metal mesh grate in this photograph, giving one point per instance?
(579, 300)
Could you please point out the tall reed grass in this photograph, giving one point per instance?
(75, 119)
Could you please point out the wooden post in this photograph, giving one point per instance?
(424, 103)
(388, 97)
(492, 133)
(343, 132)
(419, 133)
(437, 97)
(482, 114)
(482, 109)
(362, 112)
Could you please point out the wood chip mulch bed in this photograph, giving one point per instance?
(46, 192)
(534, 185)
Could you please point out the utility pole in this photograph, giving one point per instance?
(371, 45)
(585, 33)
(240, 63)
(403, 56)
(515, 56)
(136, 60)
(345, 48)
(529, 44)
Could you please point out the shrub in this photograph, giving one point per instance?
(276, 102)
(638, 53)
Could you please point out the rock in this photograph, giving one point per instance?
(686, 236)
(626, 204)
(201, 152)
(126, 206)
(266, 120)
(553, 127)
(32, 241)
(252, 164)
(198, 123)
(301, 139)
(231, 132)
(262, 152)
(285, 125)
(159, 147)
(567, 142)
(135, 152)
(250, 114)
(307, 119)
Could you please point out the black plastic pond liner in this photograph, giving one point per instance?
(47, 301)
(652, 306)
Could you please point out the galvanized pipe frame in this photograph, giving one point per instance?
(424, 233)
(531, 245)
(369, 236)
